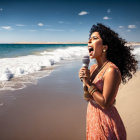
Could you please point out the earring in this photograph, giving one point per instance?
(104, 50)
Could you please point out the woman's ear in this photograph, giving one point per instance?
(105, 47)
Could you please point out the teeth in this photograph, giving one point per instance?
(90, 49)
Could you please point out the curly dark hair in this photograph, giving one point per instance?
(117, 51)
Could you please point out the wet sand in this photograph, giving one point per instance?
(54, 109)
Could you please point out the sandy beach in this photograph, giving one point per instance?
(128, 106)
(54, 108)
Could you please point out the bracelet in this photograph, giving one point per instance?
(92, 89)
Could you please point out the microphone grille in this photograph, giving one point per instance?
(86, 60)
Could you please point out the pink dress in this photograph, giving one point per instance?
(103, 124)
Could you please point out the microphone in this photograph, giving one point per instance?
(85, 61)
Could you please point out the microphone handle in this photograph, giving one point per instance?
(82, 77)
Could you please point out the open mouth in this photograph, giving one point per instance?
(90, 49)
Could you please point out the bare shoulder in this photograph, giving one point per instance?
(113, 73)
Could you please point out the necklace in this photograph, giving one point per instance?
(102, 66)
(93, 76)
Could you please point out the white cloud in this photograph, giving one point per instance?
(40, 24)
(20, 25)
(108, 10)
(1, 9)
(131, 26)
(83, 13)
(121, 27)
(6, 27)
(53, 30)
(106, 18)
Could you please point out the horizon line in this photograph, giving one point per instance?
(44, 43)
(131, 43)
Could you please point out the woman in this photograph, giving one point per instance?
(114, 63)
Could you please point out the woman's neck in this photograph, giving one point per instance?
(100, 62)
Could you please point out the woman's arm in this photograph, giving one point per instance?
(112, 81)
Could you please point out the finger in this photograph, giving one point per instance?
(81, 75)
(83, 68)
(85, 71)
(82, 72)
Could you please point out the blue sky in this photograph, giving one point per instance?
(66, 21)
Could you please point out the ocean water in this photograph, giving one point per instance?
(26, 63)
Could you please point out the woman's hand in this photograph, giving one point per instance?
(84, 74)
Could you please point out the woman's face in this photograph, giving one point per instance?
(95, 45)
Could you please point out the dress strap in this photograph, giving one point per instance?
(104, 72)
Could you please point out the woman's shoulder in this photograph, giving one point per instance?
(113, 67)
(111, 64)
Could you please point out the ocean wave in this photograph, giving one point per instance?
(16, 72)
(23, 65)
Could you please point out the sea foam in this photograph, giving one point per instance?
(23, 65)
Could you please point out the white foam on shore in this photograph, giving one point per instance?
(136, 52)
(19, 66)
